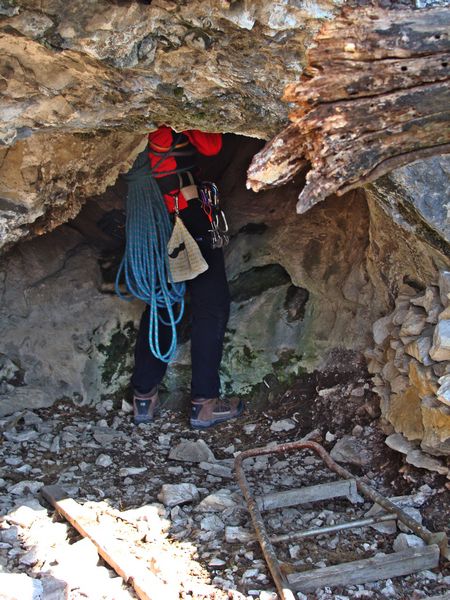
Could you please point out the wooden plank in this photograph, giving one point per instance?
(313, 493)
(117, 554)
(396, 564)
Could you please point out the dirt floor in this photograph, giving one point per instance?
(114, 468)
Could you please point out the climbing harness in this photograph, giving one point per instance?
(145, 263)
(209, 197)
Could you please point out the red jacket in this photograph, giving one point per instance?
(161, 140)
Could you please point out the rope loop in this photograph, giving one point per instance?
(145, 263)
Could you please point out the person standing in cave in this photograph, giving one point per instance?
(172, 159)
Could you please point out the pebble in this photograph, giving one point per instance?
(127, 471)
(405, 541)
(238, 534)
(212, 523)
(216, 502)
(283, 425)
(195, 452)
(178, 493)
(217, 469)
(350, 450)
(104, 460)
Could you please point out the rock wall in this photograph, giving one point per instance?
(411, 367)
(83, 81)
(408, 258)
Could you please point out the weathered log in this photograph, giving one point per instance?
(374, 97)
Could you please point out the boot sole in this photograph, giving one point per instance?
(197, 424)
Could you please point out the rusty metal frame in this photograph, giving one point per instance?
(264, 539)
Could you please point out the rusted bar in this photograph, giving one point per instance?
(298, 535)
(429, 537)
(282, 585)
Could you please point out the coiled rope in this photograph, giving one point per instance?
(145, 263)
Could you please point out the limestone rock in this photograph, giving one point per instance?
(404, 412)
(398, 442)
(350, 450)
(429, 301)
(419, 459)
(382, 329)
(420, 349)
(190, 451)
(414, 322)
(100, 74)
(216, 502)
(441, 341)
(423, 379)
(443, 393)
(404, 542)
(283, 425)
(436, 424)
(444, 287)
(178, 493)
(19, 586)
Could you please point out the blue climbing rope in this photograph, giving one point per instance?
(145, 263)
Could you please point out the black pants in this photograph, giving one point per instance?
(210, 306)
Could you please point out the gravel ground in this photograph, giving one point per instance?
(169, 494)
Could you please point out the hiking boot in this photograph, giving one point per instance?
(207, 412)
(145, 406)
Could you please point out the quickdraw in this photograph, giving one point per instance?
(209, 197)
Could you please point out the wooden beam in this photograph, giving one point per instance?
(116, 553)
(396, 564)
(374, 96)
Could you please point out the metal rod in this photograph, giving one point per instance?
(263, 538)
(275, 539)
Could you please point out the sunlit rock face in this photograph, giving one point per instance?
(110, 70)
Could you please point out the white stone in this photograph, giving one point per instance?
(419, 459)
(216, 502)
(195, 452)
(25, 516)
(443, 393)
(398, 442)
(419, 349)
(238, 534)
(212, 523)
(350, 450)
(440, 349)
(23, 487)
(19, 587)
(444, 286)
(249, 428)
(382, 329)
(217, 469)
(405, 541)
(104, 460)
(216, 563)
(414, 322)
(126, 471)
(172, 494)
(283, 425)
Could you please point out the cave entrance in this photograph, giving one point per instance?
(283, 270)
